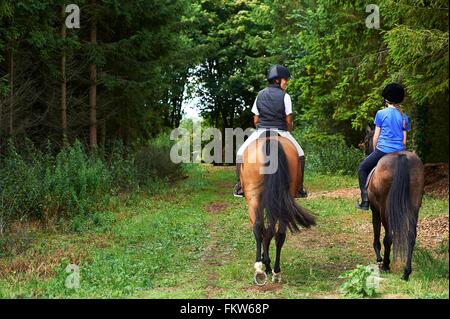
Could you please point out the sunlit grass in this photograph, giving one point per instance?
(172, 245)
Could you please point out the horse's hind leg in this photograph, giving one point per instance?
(260, 275)
(411, 243)
(387, 242)
(408, 267)
(266, 243)
(280, 237)
(258, 232)
(376, 222)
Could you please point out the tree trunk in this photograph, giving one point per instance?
(63, 81)
(103, 133)
(11, 90)
(93, 88)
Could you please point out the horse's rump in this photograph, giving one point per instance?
(274, 192)
(395, 191)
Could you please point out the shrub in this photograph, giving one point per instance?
(361, 281)
(143, 165)
(75, 184)
(328, 153)
(121, 163)
(40, 186)
(152, 161)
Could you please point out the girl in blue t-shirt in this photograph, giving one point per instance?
(391, 125)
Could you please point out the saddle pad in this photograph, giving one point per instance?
(369, 178)
(265, 131)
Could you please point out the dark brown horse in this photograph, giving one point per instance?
(395, 195)
(270, 198)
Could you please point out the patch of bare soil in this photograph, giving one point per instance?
(339, 193)
(436, 184)
(432, 231)
(436, 179)
(352, 237)
(267, 287)
(216, 207)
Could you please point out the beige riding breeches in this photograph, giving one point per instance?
(257, 133)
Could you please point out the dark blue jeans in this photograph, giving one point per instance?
(367, 165)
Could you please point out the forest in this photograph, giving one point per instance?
(124, 73)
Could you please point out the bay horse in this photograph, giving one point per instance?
(395, 190)
(270, 198)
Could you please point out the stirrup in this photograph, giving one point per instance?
(363, 206)
(238, 192)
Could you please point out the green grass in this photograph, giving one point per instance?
(193, 240)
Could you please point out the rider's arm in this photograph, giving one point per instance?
(255, 120)
(406, 128)
(376, 135)
(290, 122)
(256, 113)
(288, 110)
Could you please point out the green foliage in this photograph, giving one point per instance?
(340, 66)
(356, 284)
(429, 266)
(40, 186)
(74, 184)
(328, 153)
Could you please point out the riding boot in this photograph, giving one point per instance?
(301, 193)
(364, 205)
(238, 187)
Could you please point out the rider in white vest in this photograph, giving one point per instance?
(272, 110)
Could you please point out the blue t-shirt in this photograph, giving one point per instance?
(390, 121)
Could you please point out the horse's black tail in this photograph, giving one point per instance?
(277, 201)
(400, 218)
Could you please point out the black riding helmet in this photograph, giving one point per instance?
(278, 72)
(394, 93)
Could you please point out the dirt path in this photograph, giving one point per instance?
(338, 193)
(214, 254)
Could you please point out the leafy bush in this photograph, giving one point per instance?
(42, 186)
(72, 183)
(328, 153)
(120, 162)
(143, 165)
(359, 281)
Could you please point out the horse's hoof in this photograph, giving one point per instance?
(260, 275)
(260, 278)
(405, 277)
(276, 277)
(385, 269)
